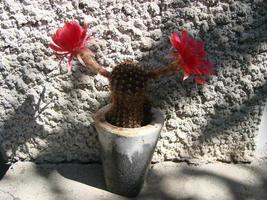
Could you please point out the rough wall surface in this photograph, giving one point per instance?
(46, 113)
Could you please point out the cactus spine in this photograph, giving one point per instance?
(130, 106)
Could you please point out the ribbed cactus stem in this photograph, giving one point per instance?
(127, 110)
(86, 57)
(130, 106)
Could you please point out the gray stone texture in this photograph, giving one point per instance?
(46, 113)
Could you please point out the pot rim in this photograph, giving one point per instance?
(156, 123)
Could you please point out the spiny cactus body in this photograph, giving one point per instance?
(130, 105)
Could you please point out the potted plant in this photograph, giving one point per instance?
(128, 128)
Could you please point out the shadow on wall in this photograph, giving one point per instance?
(20, 129)
(234, 48)
(221, 123)
(25, 135)
(241, 46)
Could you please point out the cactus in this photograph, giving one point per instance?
(128, 82)
(130, 106)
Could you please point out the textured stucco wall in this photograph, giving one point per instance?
(46, 114)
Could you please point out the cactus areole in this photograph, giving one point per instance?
(130, 106)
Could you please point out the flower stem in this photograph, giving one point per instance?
(86, 58)
(168, 70)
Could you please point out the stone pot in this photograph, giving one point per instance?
(127, 152)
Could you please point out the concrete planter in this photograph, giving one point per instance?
(127, 152)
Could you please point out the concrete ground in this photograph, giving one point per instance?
(165, 181)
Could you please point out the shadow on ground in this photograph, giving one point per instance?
(233, 182)
(88, 174)
(3, 166)
(176, 181)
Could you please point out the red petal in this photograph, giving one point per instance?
(208, 71)
(85, 29)
(199, 45)
(56, 38)
(56, 48)
(184, 37)
(84, 36)
(199, 80)
(197, 71)
(69, 36)
(208, 64)
(191, 55)
(187, 71)
(73, 35)
(61, 54)
(175, 40)
(70, 62)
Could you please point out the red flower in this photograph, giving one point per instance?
(191, 56)
(69, 40)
